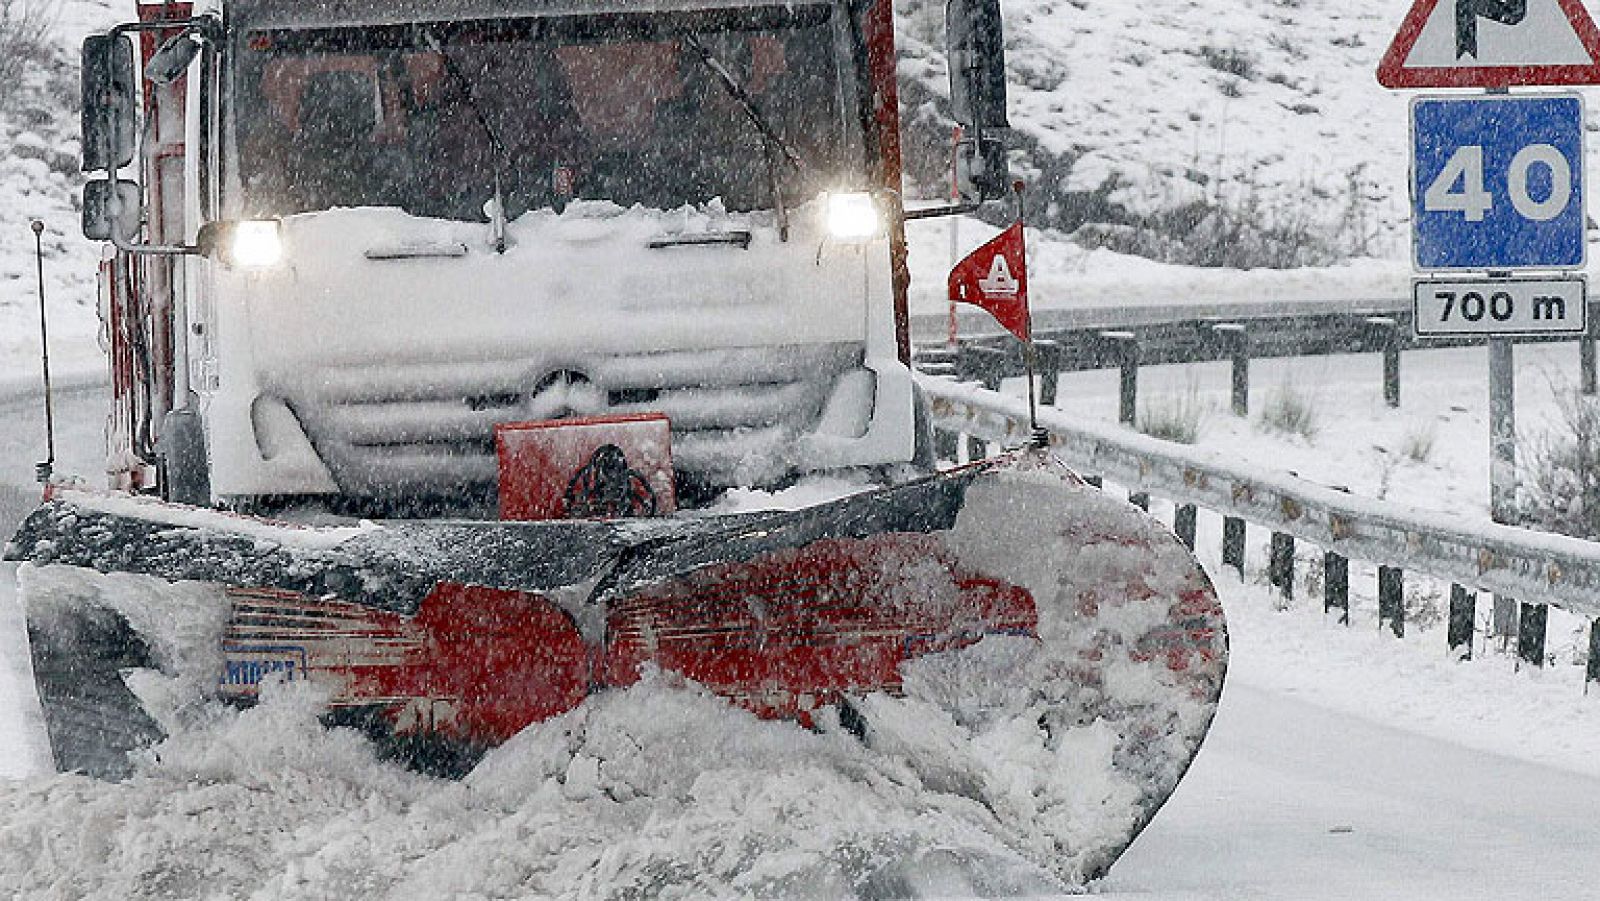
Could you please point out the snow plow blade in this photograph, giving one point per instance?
(1011, 636)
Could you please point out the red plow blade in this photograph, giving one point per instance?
(1009, 635)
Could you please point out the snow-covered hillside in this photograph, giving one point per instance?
(1163, 110)
(39, 179)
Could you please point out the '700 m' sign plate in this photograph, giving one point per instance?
(1508, 306)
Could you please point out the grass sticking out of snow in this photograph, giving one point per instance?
(1176, 417)
(1291, 409)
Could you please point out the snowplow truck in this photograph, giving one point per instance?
(433, 329)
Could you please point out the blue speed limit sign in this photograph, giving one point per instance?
(1497, 182)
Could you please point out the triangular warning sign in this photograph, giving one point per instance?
(1493, 44)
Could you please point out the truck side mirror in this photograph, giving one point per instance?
(975, 51)
(111, 208)
(982, 171)
(109, 93)
(173, 58)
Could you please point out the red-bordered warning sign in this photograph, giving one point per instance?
(1493, 44)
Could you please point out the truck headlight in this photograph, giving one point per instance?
(853, 217)
(248, 244)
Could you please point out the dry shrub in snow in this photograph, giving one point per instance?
(1423, 605)
(1229, 60)
(24, 44)
(1291, 410)
(1418, 442)
(1560, 472)
(1176, 417)
(1236, 225)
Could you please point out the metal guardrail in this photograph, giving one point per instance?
(1533, 567)
(1187, 336)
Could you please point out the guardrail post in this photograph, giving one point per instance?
(1530, 633)
(1503, 621)
(1280, 566)
(1591, 672)
(1391, 599)
(975, 449)
(1586, 365)
(981, 363)
(1463, 609)
(1049, 357)
(942, 361)
(1140, 499)
(986, 365)
(1184, 517)
(1235, 344)
(1336, 585)
(1388, 337)
(1587, 382)
(1233, 543)
(1502, 429)
(1124, 348)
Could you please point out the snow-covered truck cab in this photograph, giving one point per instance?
(372, 231)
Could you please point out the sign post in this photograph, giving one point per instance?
(1498, 213)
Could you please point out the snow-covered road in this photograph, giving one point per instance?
(1290, 798)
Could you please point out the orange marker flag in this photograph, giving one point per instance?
(995, 277)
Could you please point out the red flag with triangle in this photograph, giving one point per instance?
(995, 277)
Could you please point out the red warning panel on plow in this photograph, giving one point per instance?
(603, 467)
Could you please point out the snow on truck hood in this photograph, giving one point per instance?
(596, 277)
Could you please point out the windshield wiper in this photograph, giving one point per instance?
(772, 142)
(497, 147)
(738, 238)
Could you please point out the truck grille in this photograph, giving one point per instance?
(408, 429)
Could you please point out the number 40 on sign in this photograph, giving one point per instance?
(1498, 182)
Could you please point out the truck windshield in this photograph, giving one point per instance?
(616, 107)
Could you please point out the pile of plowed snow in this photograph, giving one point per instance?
(657, 791)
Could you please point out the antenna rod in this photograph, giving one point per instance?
(1040, 437)
(44, 470)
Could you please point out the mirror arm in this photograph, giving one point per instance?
(935, 212)
(202, 26)
(167, 250)
(126, 246)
